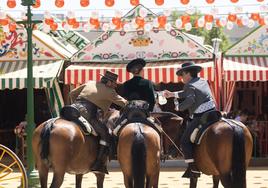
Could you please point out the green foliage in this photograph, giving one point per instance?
(215, 32)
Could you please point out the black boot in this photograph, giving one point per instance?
(100, 164)
(192, 171)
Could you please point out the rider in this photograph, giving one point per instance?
(91, 97)
(138, 88)
(198, 100)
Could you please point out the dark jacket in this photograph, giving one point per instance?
(195, 93)
(139, 88)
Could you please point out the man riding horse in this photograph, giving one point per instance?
(88, 99)
(198, 100)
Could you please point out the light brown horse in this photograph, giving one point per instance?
(224, 152)
(138, 153)
(62, 146)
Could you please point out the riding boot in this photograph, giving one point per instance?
(99, 165)
(192, 171)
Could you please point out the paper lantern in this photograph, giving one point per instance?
(59, 3)
(162, 20)
(134, 2)
(12, 27)
(37, 4)
(116, 21)
(232, 17)
(76, 25)
(159, 2)
(140, 22)
(209, 18)
(71, 21)
(11, 3)
(218, 23)
(109, 3)
(185, 2)
(261, 21)
(54, 26)
(49, 21)
(3, 21)
(234, 1)
(260, 0)
(210, 1)
(239, 22)
(185, 19)
(93, 21)
(255, 16)
(84, 3)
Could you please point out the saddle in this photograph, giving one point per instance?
(206, 120)
(71, 113)
(137, 111)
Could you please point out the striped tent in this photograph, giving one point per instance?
(13, 75)
(157, 72)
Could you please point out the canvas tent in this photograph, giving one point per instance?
(48, 58)
(245, 64)
(164, 51)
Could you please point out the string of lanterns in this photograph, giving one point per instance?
(110, 3)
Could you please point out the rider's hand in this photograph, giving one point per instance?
(168, 94)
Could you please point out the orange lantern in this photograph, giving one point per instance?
(84, 3)
(210, 1)
(54, 26)
(185, 2)
(209, 18)
(185, 19)
(239, 22)
(159, 2)
(97, 25)
(232, 17)
(255, 16)
(234, 1)
(140, 22)
(12, 27)
(261, 21)
(37, 4)
(162, 20)
(116, 21)
(260, 0)
(71, 21)
(93, 21)
(76, 25)
(218, 23)
(59, 3)
(11, 3)
(4, 21)
(49, 21)
(109, 3)
(134, 2)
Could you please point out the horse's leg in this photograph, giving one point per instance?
(43, 174)
(216, 180)
(193, 182)
(152, 181)
(128, 181)
(226, 180)
(57, 180)
(100, 180)
(78, 180)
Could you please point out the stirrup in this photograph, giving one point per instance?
(191, 174)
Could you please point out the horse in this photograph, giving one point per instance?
(138, 152)
(224, 152)
(61, 145)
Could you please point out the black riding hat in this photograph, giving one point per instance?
(190, 65)
(135, 62)
(110, 76)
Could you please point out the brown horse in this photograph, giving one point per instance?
(224, 152)
(138, 153)
(61, 145)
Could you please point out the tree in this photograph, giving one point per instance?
(215, 32)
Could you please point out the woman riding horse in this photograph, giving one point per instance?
(226, 146)
(61, 144)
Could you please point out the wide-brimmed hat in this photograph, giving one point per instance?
(190, 65)
(136, 62)
(110, 76)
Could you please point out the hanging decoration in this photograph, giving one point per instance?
(109, 3)
(12, 26)
(210, 1)
(59, 3)
(159, 2)
(84, 3)
(185, 2)
(234, 1)
(11, 3)
(37, 4)
(134, 2)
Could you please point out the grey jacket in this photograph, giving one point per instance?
(194, 93)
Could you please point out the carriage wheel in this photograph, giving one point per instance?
(12, 171)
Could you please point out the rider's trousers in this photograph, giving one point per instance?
(186, 144)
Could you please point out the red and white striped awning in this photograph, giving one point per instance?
(156, 72)
(245, 68)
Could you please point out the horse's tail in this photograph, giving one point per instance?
(138, 152)
(44, 141)
(238, 174)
